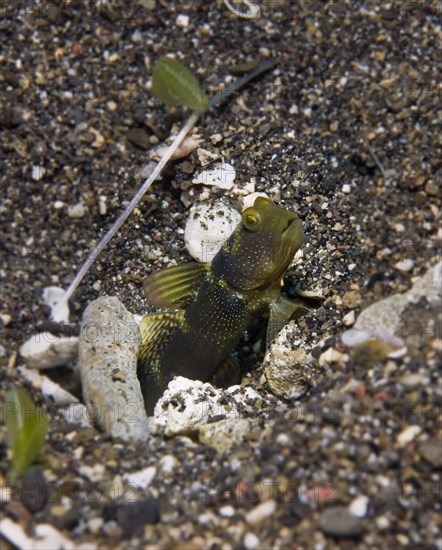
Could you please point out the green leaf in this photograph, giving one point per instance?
(174, 84)
(26, 429)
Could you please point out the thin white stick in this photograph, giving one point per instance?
(189, 124)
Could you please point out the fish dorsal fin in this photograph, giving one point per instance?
(156, 330)
(174, 287)
(281, 312)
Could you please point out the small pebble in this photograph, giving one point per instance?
(34, 490)
(331, 356)
(413, 379)
(206, 157)
(260, 513)
(402, 539)
(99, 140)
(182, 21)
(351, 299)
(37, 172)
(95, 525)
(139, 138)
(349, 319)
(227, 511)
(406, 436)
(250, 187)
(283, 439)
(76, 210)
(92, 473)
(102, 207)
(141, 479)
(382, 522)
(6, 318)
(58, 511)
(431, 451)
(251, 541)
(167, 465)
(149, 4)
(216, 138)
(114, 57)
(404, 265)
(432, 189)
(133, 516)
(358, 507)
(339, 522)
(112, 529)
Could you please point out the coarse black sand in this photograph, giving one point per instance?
(345, 130)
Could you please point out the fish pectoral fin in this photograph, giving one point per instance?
(228, 374)
(174, 287)
(156, 329)
(281, 312)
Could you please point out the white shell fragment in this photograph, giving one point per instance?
(108, 349)
(225, 433)
(207, 227)
(404, 265)
(37, 172)
(216, 415)
(408, 435)
(188, 145)
(48, 387)
(182, 20)
(76, 210)
(45, 536)
(53, 297)
(69, 406)
(286, 364)
(46, 351)
(142, 478)
(359, 506)
(206, 157)
(260, 513)
(192, 413)
(222, 175)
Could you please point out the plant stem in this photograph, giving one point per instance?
(188, 125)
(240, 82)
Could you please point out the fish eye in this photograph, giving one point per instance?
(251, 220)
